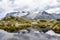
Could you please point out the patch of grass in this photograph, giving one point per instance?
(13, 24)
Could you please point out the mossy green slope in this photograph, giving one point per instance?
(13, 24)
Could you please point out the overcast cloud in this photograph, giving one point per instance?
(9, 5)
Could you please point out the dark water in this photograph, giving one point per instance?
(32, 35)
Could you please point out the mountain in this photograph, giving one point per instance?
(39, 15)
(34, 15)
(42, 15)
(56, 15)
(16, 13)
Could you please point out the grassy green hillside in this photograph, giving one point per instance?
(13, 24)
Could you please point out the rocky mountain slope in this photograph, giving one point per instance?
(34, 15)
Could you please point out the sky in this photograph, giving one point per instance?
(7, 6)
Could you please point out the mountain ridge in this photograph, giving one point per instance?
(34, 15)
